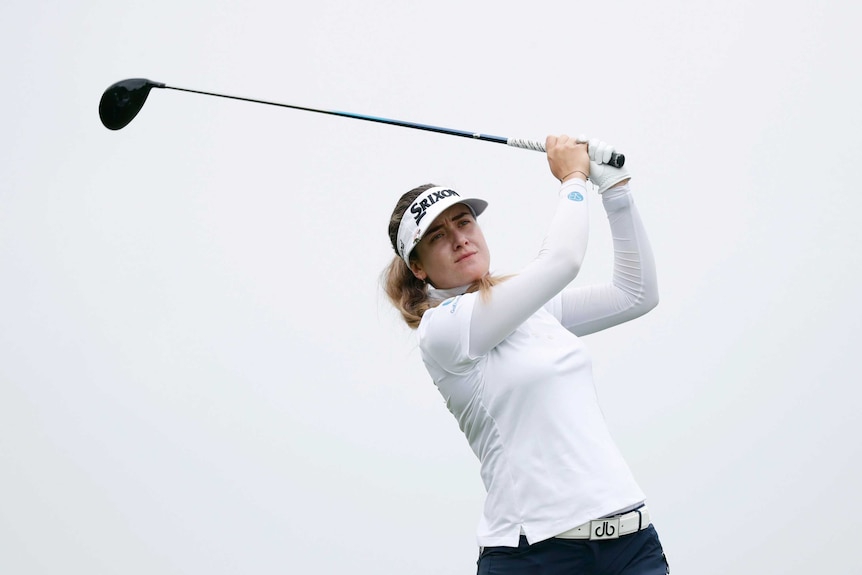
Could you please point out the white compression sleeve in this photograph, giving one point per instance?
(556, 265)
(633, 290)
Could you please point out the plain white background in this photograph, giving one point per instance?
(200, 374)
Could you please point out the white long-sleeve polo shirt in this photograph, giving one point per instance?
(518, 380)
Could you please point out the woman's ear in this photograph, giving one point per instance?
(417, 270)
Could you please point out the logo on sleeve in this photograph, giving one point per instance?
(576, 197)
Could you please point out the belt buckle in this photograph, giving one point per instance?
(605, 529)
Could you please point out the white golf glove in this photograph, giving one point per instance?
(601, 174)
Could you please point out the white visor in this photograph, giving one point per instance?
(424, 210)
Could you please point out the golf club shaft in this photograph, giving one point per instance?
(616, 160)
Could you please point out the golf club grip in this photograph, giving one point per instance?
(617, 160)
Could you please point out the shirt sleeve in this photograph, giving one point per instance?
(444, 334)
(496, 316)
(633, 289)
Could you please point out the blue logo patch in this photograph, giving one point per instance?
(453, 301)
(576, 197)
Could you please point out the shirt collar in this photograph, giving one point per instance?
(442, 294)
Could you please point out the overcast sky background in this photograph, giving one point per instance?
(200, 374)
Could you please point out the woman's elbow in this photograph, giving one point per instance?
(651, 303)
(647, 303)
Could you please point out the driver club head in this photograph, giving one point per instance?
(122, 101)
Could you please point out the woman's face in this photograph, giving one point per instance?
(453, 251)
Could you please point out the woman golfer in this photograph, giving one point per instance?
(505, 355)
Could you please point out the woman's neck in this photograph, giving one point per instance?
(446, 293)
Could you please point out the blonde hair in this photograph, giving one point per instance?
(408, 293)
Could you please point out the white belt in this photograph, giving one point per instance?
(610, 527)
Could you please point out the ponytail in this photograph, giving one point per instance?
(407, 293)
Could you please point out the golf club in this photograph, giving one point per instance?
(122, 101)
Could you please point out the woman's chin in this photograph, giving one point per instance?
(466, 277)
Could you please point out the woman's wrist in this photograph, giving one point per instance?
(575, 174)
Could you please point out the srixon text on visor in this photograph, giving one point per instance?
(418, 208)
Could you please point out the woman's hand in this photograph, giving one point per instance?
(603, 175)
(567, 157)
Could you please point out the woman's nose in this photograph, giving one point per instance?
(459, 238)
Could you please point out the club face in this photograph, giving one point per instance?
(122, 101)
